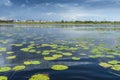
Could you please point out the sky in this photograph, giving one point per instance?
(57, 10)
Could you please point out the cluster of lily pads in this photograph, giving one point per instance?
(58, 49)
(113, 64)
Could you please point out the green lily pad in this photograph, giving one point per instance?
(32, 51)
(5, 69)
(46, 52)
(49, 58)
(38, 52)
(67, 54)
(5, 42)
(9, 52)
(116, 67)
(32, 62)
(3, 78)
(40, 77)
(11, 57)
(57, 55)
(105, 65)
(20, 67)
(18, 45)
(75, 58)
(113, 62)
(2, 49)
(59, 67)
(25, 49)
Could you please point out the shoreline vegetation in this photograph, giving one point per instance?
(56, 22)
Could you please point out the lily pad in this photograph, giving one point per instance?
(75, 58)
(57, 55)
(20, 67)
(3, 78)
(105, 65)
(59, 67)
(25, 49)
(3, 49)
(49, 58)
(9, 52)
(5, 69)
(46, 52)
(32, 62)
(18, 45)
(11, 57)
(32, 50)
(67, 54)
(116, 67)
(40, 77)
(113, 62)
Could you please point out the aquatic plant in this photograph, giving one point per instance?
(59, 67)
(2, 49)
(32, 62)
(67, 54)
(11, 57)
(49, 58)
(4, 42)
(46, 52)
(116, 67)
(57, 55)
(110, 56)
(5, 69)
(18, 45)
(113, 62)
(38, 52)
(72, 48)
(17, 68)
(10, 52)
(32, 51)
(75, 58)
(105, 65)
(25, 49)
(40, 77)
(3, 78)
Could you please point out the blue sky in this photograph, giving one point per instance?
(57, 10)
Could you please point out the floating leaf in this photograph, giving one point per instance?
(11, 57)
(57, 55)
(105, 65)
(40, 77)
(9, 52)
(59, 67)
(67, 54)
(20, 67)
(3, 78)
(3, 49)
(5, 69)
(113, 62)
(49, 58)
(46, 52)
(116, 67)
(25, 49)
(75, 58)
(18, 45)
(32, 62)
(32, 50)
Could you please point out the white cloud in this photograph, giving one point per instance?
(3, 18)
(50, 13)
(5, 3)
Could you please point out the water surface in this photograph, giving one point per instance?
(82, 37)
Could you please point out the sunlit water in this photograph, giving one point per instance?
(69, 35)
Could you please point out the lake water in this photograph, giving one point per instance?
(82, 48)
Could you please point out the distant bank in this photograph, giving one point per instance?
(56, 22)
